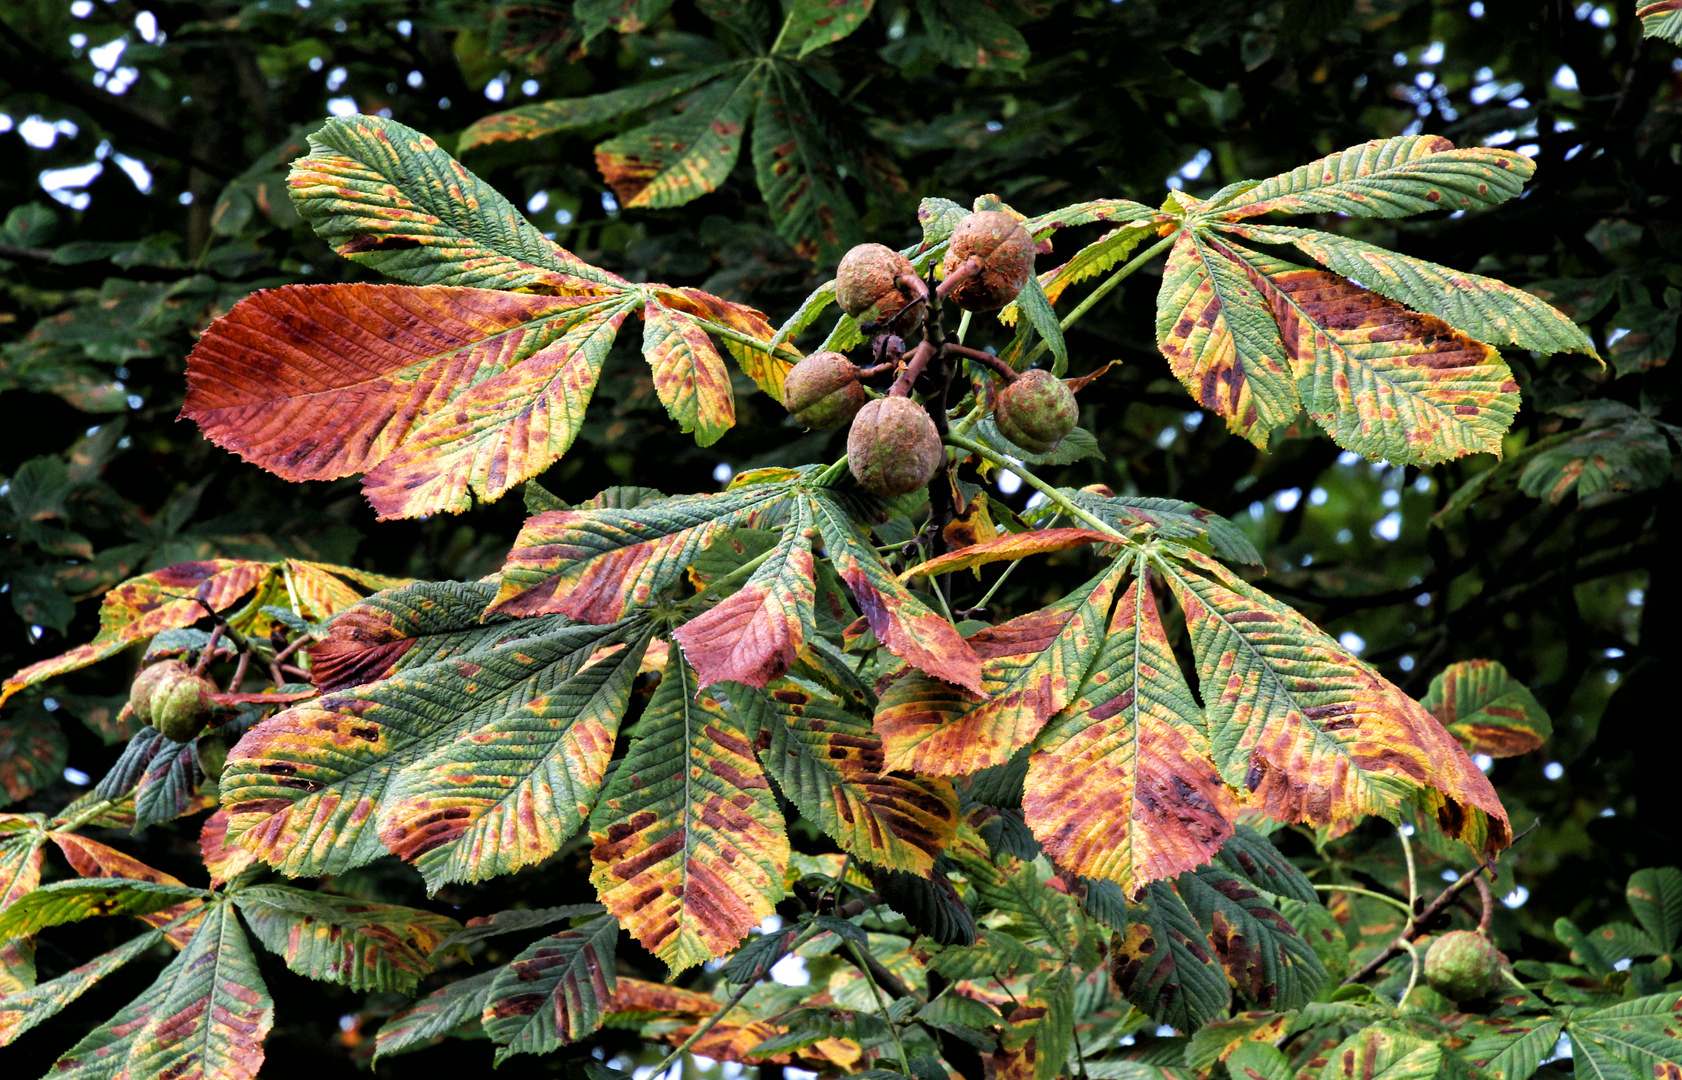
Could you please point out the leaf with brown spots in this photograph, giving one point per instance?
(32, 753)
(438, 393)
(680, 158)
(21, 837)
(1216, 326)
(1120, 784)
(1480, 307)
(1010, 547)
(753, 635)
(75, 900)
(569, 114)
(1305, 731)
(453, 1009)
(1488, 710)
(1038, 1032)
(766, 365)
(306, 790)
(689, 375)
(795, 159)
(1409, 174)
(225, 861)
(23, 1010)
(166, 599)
(1031, 668)
(1164, 963)
(689, 845)
(92, 859)
(1643, 1034)
(830, 765)
(596, 564)
(510, 793)
(340, 939)
(900, 621)
(321, 590)
(555, 992)
(204, 1018)
(386, 196)
(1662, 20)
(812, 24)
(1383, 1052)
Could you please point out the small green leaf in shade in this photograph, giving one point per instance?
(554, 992)
(569, 114)
(1488, 710)
(337, 939)
(678, 159)
(72, 901)
(1656, 898)
(32, 753)
(812, 24)
(795, 159)
(1517, 1050)
(1662, 20)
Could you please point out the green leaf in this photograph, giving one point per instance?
(813, 24)
(1039, 1033)
(1382, 1052)
(1601, 460)
(795, 155)
(1642, 1033)
(1164, 965)
(72, 901)
(1662, 20)
(1479, 307)
(1320, 929)
(1267, 963)
(1487, 710)
(568, 114)
(554, 992)
(1252, 857)
(1251, 1060)
(677, 160)
(1033, 303)
(1142, 517)
(1595, 1061)
(1517, 1050)
(338, 939)
(443, 1012)
(22, 1011)
(930, 903)
(690, 848)
(310, 789)
(205, 1016)
(973, 35)
(1656, 898)
(1409, 174)
(386, 196)
(513, 921)
(829, 763)
(32, 753)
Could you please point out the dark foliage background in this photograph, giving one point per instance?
(143, 185)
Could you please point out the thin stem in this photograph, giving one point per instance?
(1051, 523)
(1038, 485)
(1391, 900)
(832, 473)
(706, 1025)
(736, 335)
(788, 21)
(914, 367)
(1413, 975)
(963, 326)
(1002, 369)
(87, 815)
(1413, 879)
(1102, 291)
(881, 1003)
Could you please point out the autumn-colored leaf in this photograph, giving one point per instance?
(830, 765)
(339, 939)
(1037, 1033)
(689, 375)
(1010, 547)
(1120, 784)
(816, 23)
(675, 160)
(225, 861)
(900, 621)
(567, 114)
(554, 992)
(166, 599)
(798, 160)
(21, 1011)
(1488, 710)
(321, 590)
(204, 1018)
(1304, 730)
(765, 364)
(689, 846)
(595, 564)
(1408, 174)
(1031, 668)
(445, 1011)
(91, 859)
(1383, 1052)
(752, 636)
(74, 900)
(440, 393)
(386, 196)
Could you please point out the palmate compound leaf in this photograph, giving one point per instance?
(1643, 1035)
(1488, 710)
(690, 848)
(1303, 730)
(1120, 785)
(204, 1018)
(829, 763)
(554, 992)
(165, 599)
(1031, 667)
(343, 940)
(438, 393)
(1255, 338)
(317, 788)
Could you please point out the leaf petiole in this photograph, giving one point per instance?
(1038, 485)
(1104, 290)
(1391, 900)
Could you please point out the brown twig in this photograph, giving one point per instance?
(1417, 924)
(960, 274)
(209, 653)
(1002, 369)
(920, 358)
(239, 672)
(1488, 898)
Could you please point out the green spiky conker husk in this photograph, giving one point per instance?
(893, 447)
(823, 391)
(1036, 411)
(1006, 252)
(865, 286)
(1463, 965)
(144, 690)
(181, 705)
